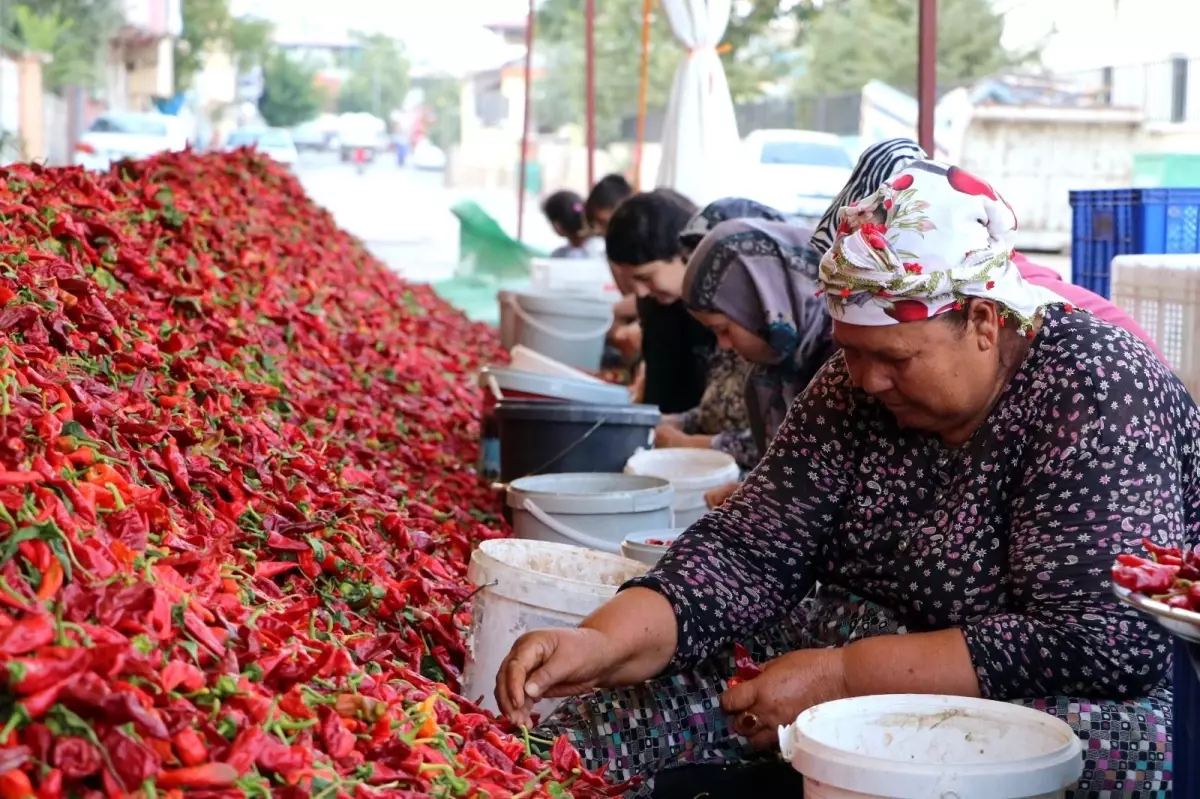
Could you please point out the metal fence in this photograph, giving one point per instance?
(835, 113)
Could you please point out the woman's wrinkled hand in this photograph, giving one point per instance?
(717, 496)
(550, 663)
(787, 687)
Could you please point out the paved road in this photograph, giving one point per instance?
(403, 214)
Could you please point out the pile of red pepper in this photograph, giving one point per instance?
(1169, 575)
(235, 501)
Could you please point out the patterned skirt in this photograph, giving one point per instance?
(676, 720)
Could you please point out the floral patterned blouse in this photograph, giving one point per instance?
(722, 409)
(1009, 537)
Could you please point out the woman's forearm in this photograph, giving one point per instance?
(917, 663)
(640, 627)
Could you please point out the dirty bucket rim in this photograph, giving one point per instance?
(631, 414)
(556, 304)
(485, 554)
(655, 493)
(816, 759)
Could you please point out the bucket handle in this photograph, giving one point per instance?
(569, 533)
(563, 335)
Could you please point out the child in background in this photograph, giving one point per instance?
(609, 192)
(564, 210)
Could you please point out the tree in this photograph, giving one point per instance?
(290, 95)
(877, 40)
(444, 107)
(378, 81)
(73, 32)
(208, 24)
(752, 62)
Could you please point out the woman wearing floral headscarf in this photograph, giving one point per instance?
(938, 514)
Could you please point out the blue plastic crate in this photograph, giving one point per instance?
(1111, 222)
(1186, 741)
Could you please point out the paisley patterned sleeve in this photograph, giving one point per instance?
(749, 562)
(1107, 454)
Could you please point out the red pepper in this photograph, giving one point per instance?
(15, 785)
(30, 675)
(1143, 576)
(51, 785)
(746, 667)
(190, 747)
(28, 634)
(178, 674)
(212, 775)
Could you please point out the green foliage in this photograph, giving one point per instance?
(443, 99)
(208, 24)
(73, 32)
(378, 81)
(877, 40)
(762, 35)
(290, 95)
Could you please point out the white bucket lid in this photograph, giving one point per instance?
(588, 493)
(688, 468)
(564, 305)
(549, 575)
(907, 745)
(527, 360)
(551, 386)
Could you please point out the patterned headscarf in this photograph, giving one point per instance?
(876, 164)
(720, 211)
(927, 240)
(754, 272)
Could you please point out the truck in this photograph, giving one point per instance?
(361, 130)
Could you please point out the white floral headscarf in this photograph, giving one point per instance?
(927, 240)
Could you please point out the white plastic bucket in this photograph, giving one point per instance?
(586, 276)
(692, 472)
(637, 546)
(531, 585)
(569, 329)
(909, 746)
(588, 510)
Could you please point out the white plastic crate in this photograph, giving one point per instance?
(1162, 293)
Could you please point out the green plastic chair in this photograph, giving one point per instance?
(485, 250)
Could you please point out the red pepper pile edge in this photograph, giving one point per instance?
(235, 507)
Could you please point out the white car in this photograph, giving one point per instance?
(428, 156)
(798, 172)
(115, 136)
(275, 143)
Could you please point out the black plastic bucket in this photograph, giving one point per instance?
(538, 437)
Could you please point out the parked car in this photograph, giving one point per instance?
(311, 136)
(428, 156)
(799, 172)
(116, 136)
(275, 143)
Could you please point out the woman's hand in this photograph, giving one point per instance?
(637, 389)
(716, 497)
(786, 688)
(666, 436)
(551, 663)
(628, 339)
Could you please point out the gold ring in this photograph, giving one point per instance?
(747, 724)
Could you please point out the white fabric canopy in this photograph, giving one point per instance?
(700, 137)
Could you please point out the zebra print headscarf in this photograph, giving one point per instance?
(876, 165)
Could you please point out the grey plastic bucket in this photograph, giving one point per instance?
(540, 437)
(595, 511)
(570, 330)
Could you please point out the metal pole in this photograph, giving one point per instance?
(528, 118)
(643, 81)
(590, 89)
(927, 76)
